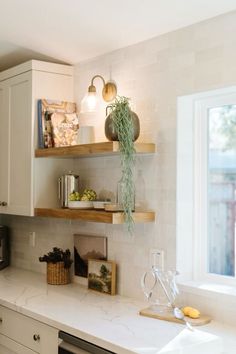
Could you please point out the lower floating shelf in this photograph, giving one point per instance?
(95, 215)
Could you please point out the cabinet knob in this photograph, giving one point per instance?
(4, 203)
(0, 319)
(36, 337)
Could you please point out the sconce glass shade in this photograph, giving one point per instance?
(89, 103)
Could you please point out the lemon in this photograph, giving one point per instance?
(194, 313)
(186, 310)
(191, 312)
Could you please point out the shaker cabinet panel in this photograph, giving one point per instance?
(15, 153)
(22, 181)
(37, 336)
(4, 129)
(9, 346)
(20, 145)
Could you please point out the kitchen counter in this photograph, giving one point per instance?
(111, 322)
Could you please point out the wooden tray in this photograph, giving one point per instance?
(168, 316)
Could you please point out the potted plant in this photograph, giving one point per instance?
(58, 266)
(123, 125)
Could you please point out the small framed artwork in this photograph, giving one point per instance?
(102, 276)
(88, 247)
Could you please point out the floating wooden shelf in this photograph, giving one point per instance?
(92, 150)
(95, 215)
(96, 149)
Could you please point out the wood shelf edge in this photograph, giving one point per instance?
(95, 149)
(138, 217)
(92, 215)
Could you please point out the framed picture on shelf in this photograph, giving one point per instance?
(58, 123)
(88, 247)
(102, 276)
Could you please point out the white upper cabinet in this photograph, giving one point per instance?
(18, 145)
(4, 132)
(20, 89)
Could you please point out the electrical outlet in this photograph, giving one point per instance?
(156, 258)
(32, 238)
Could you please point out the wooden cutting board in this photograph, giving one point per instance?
(168, 316)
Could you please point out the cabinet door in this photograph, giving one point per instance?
(18, 145)
(9, 346)
(32, 334)
(4, 131)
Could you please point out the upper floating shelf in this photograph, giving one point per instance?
(90, 150)
(93, 215)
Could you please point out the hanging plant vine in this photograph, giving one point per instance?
(122, 118)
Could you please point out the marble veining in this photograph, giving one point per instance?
(109, 321)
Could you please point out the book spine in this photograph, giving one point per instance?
(40, 126)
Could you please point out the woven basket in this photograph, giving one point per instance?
(57, 274)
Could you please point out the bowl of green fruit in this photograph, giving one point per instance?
(82, 200)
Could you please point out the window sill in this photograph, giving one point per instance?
(212, 290)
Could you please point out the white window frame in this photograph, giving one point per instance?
(192, 172)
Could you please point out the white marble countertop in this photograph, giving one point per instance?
(112, 322)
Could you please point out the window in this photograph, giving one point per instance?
(221, 189)
(206, 186)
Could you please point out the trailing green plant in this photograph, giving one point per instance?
(58, 255)
(122, 118)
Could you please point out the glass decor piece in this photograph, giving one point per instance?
(160, 288)
(221, 190)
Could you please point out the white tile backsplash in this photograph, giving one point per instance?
(152, 73)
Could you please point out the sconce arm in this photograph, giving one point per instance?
(96, 77)
(109, 88)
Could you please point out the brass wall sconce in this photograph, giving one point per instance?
(90, 102)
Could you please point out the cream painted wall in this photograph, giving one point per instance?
(153, 74)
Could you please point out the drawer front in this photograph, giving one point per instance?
(9, 346)
(33, 334)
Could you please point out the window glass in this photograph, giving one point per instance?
(221, 190)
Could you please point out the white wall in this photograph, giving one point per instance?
(153, 74)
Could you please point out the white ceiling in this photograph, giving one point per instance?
(75, 30)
